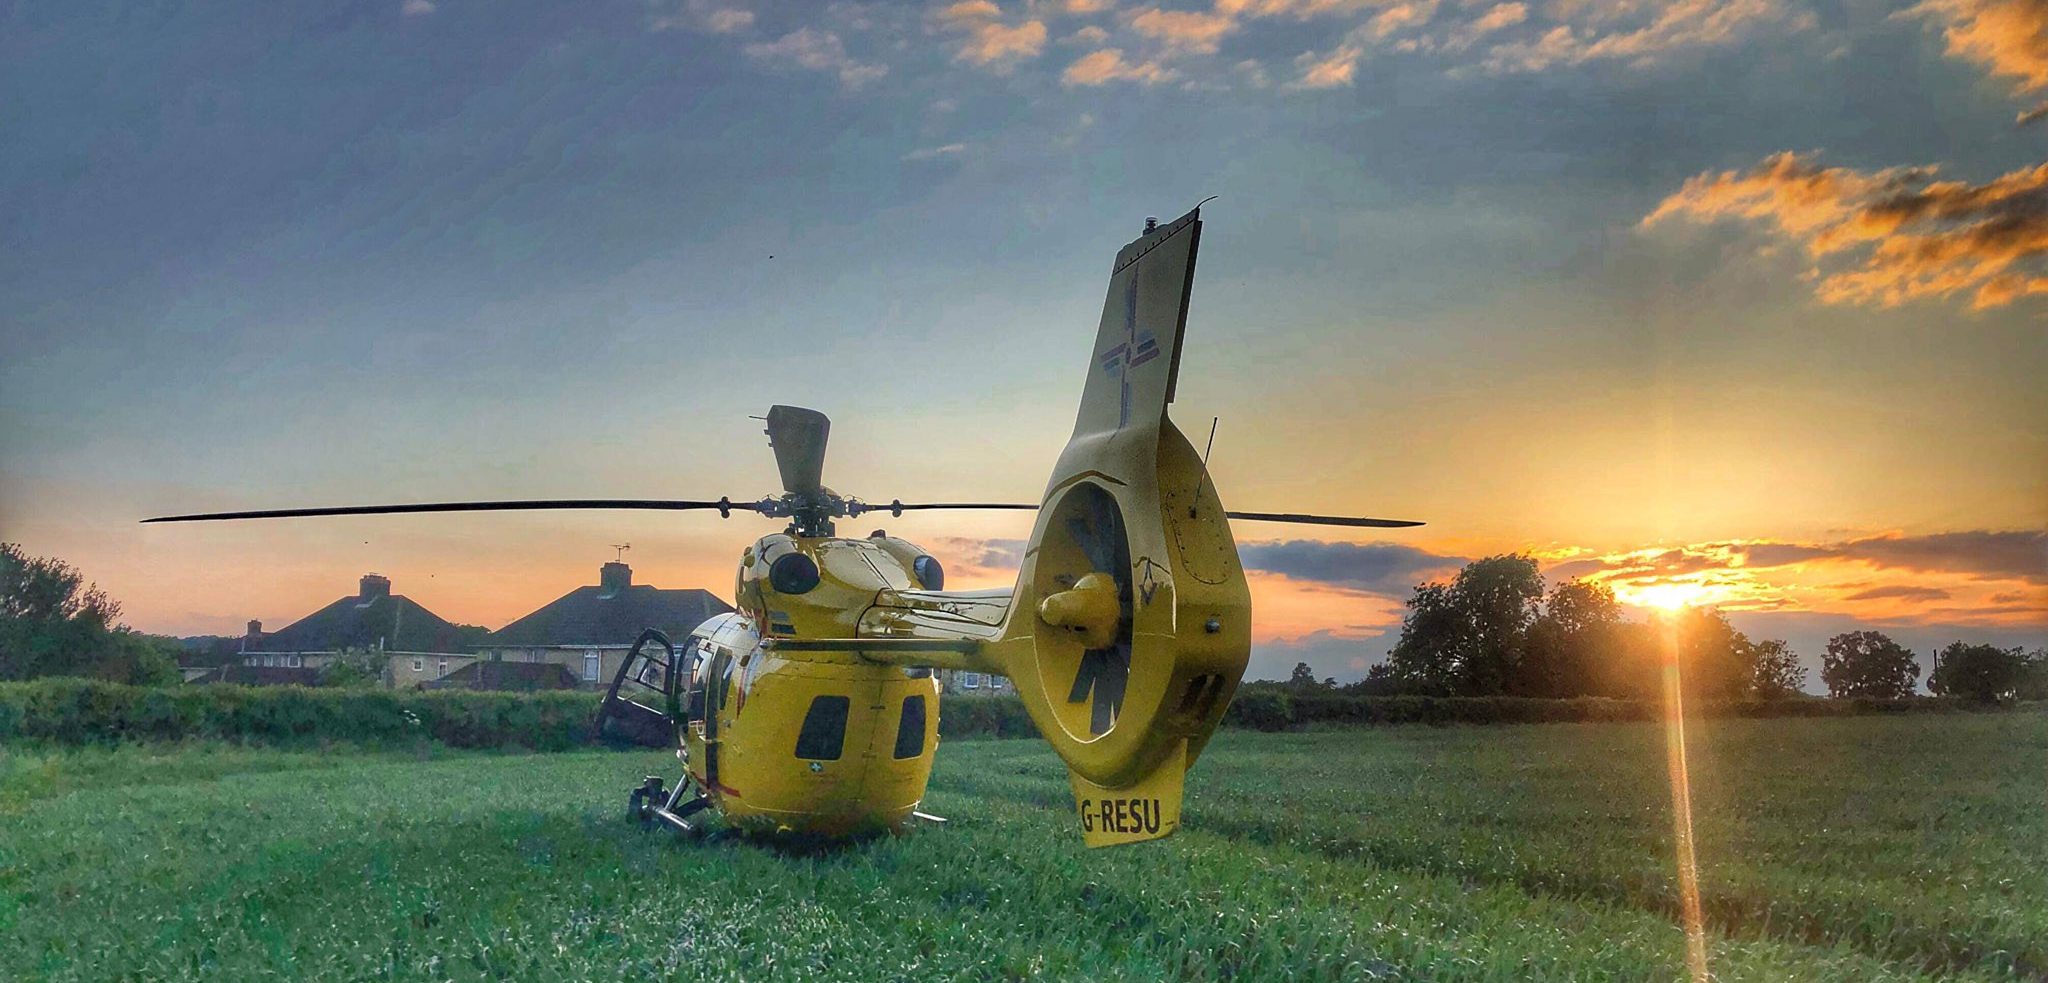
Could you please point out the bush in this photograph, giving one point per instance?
(1261, 710)
(984, 716)
(77, 711)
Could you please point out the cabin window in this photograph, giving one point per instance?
(824, 732)
(910, 728)
(590, 667)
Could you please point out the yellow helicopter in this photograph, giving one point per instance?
(812, 709)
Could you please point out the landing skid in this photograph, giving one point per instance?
(649, 803)
(929, 818)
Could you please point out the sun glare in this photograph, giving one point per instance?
(1667, 596)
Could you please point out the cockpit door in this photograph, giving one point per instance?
(641, 704)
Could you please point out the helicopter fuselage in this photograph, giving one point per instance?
(787, 740)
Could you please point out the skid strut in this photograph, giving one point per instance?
(650, 803)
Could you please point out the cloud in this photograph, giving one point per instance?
(704, 15)
(934, 153)
(1981, 554)
(1883, 238)
(1087, 6)
(1902, 592)
(2009, 38)
(990, 43)
(1617, 30)
(818, 51)
(2020, 555)
(970, 11)
(1108, 65)
(983, 554)
(1001, 45)
(1497, 18)
(1090, 35)
(1181, 31)
(416, 8)
(727, 20)
(1380, 568)
(1327, 71)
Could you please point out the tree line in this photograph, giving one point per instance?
(1495, 630)
(53, 624)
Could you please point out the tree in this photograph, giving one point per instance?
(1468, 637)
(1870, 664)
(1775, 671)
(1303, 678)
(1984, 673)
(1573, 644)
(53, 624)
(2033, 681)
(1716, 661)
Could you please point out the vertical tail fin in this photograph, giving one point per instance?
(1131, 627)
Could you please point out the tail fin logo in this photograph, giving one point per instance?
(1137, 348)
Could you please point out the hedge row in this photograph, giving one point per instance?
(1265, 709)
(76, 711)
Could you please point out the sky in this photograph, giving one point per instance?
(1741, 303)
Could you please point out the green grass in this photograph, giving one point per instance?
(1854, 849)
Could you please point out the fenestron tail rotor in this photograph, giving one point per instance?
(1104, 670)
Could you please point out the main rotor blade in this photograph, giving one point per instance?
(1294, 517)
(531, 504)
(1323, 520)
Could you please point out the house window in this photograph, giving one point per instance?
(249, 661)
(442, 666)
(419, 665)
(295, 662)
(970, 680)
(995, 682)
(270, 660)
(590, 667)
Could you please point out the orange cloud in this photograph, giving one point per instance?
(2008, 37)
(989, 42)
(1327, 71)
(1108, 65)
(1886, 237)
(1183, 31)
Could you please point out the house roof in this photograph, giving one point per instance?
(521, 676)
(392, 621)
(260, 676)
(611, 615)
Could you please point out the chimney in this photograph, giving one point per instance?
(614, 576)
(374, 586)
(255, 628)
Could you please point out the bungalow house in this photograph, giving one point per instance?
(589, 630)
(420, 645)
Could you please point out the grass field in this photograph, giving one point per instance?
(1854, 849)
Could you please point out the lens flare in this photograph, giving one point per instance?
(1681, 809)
